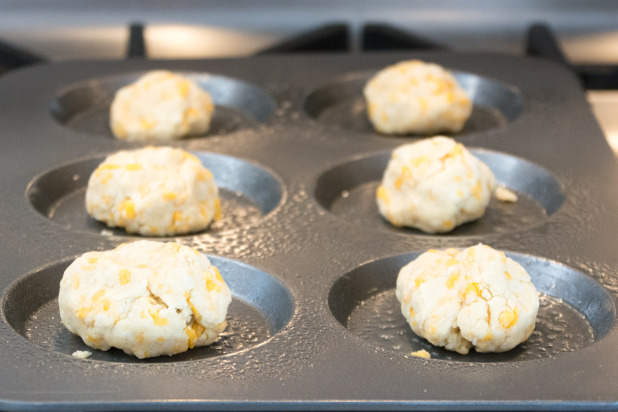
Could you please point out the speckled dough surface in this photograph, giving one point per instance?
(434, 185)
(154, 191)
(160, 106)
(147, 298)
(472, 298)
(416, 97)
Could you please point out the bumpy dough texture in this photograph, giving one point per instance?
(434, 185)
(155, 191)
(416, 97)
(147, 298)
(475, 297)
(160, 106)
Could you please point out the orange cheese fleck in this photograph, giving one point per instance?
(133, 166)
(183, 88)
(217, 274)
(98, 295)
(159, 321)
(128, 208)
(124, 275)
(450, 283)
(169, 196)
(473, 288)
(217, 216)
(382, 195)
(508, 318)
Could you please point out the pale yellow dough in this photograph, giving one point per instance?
(434, 185)
(160, 106)
(476, 297)
(147, 298)
(421, 354)
(416, 97)
(155, 191)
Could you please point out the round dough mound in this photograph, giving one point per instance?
(160, 106)
(416, 97)
(147, 298)
(434, 185)
(154, 191)
(475, 297)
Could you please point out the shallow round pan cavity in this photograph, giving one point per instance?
(348, 191)
(261, 307)
(84, 107)
(341, 103)
(575, 311)
(248, 193)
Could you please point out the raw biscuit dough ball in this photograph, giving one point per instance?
(147, 298)
(160, 106)
(154, 191)
(416, 97)
(475, 297)
(434, 185)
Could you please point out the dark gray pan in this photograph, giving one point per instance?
(314, 324)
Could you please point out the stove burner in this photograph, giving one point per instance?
(541, 42)
(376, 36)
(137, 44)
(329, 38)
(12, 57)
(336, 38)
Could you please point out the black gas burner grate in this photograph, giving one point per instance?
(336, 38)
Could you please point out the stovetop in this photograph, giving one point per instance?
(584, 38)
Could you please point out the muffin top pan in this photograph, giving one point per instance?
(314, 324)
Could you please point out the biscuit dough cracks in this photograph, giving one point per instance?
(475, 297)
(147, 298)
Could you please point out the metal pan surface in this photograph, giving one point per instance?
(314, 324)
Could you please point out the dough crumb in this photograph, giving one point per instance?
(505, 195)
(421, 354)
(82, 354)
(106, 232)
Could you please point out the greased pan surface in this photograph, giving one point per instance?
(311, 267)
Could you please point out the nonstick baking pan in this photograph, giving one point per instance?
(314, 324)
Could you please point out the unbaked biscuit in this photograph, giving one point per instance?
(413, 97)
(147, 298)
(160, 106)
(472, 298)
(155, 191)
(434, 185)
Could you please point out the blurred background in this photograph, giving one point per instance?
(583, 33)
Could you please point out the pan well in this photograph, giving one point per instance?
(348, 191)
(84, 107)
(261, 306)
(575, 311)
(248, 193)
(341, 103)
